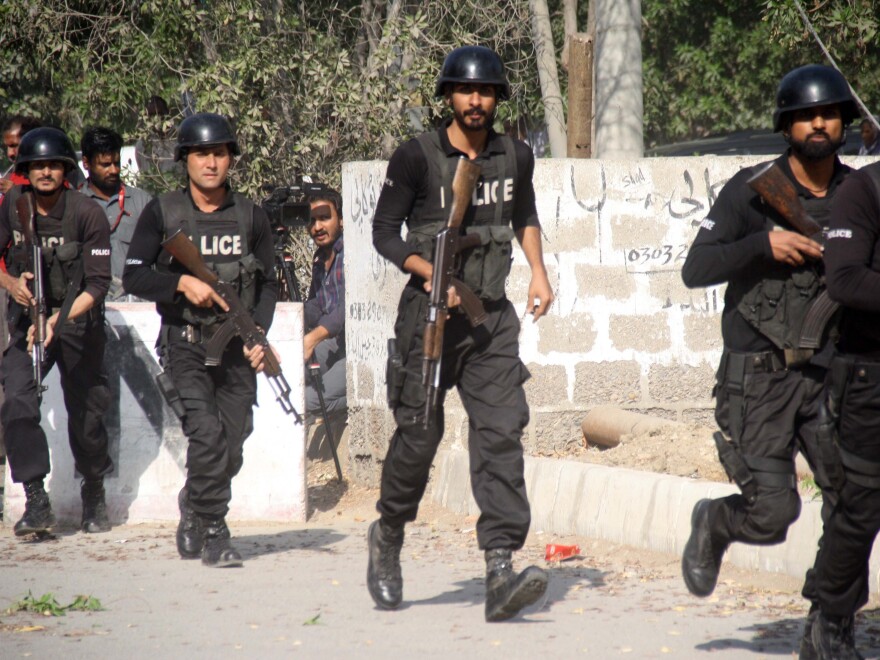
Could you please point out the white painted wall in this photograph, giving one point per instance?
(148, 446)
(624, 330)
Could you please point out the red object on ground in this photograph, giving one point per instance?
(556, 552)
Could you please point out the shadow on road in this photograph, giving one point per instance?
(783, 637)
(562, 580)
(304, 539)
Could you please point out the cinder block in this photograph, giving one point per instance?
(547, 386)
(607, 383)
(646, 334)
(679, 382)
(521, 275)
(611, 282)
(557, 434)
(574, 333)
(702, 332)
(703, 416)
(365, 382)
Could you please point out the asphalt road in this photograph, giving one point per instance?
(302, 593)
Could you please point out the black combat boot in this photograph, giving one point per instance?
(834, 638)
(506, 592)
(701, 560)
(190, 538)
(384, 578)
(38, 517)
(94, 511)
(218, 551)
(807, 651)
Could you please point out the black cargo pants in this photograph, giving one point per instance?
(219, 417)
(780, 416)
(483, 363)
(842, 563)
(79, 353)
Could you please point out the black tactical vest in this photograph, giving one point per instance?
(224, 238)
(483, 268)
(62, 252)
(777, 305)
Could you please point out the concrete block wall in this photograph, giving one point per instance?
(624, 330)
(148, 447)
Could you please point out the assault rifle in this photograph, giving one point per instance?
(238, 321)
(38, 308)
(779, 192)
(450, 243)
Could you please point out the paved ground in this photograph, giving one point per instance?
(302, 593)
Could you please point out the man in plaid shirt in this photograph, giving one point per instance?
(324, 311)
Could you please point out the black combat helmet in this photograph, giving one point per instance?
(45, 144)
(204, 129)
(812, 85)
(473, 64)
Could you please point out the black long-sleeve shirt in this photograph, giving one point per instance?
(92, 232)
(141, 279)
(852, 263)
(733, 245)
(406, 186)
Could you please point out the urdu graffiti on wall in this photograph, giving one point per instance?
(690, 204)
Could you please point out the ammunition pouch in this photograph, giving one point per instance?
(61, 264)
(483, 268)
(750, 472)
(777, 307)
(393, 375)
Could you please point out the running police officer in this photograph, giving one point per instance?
(483, 363)
(767, 405)
(235, 239)
(852, 260)
(122, 203)
(75, 242)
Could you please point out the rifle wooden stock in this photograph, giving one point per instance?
(450, 242)
(238, 321)
(779, 192)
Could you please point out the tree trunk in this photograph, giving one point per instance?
(569, 19)
(554, 114)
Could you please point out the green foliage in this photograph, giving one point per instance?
(47, 605)
(712, 66)
(314, 621)
(308, 85)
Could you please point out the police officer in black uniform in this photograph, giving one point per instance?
(852, 261)
(767, 400)
(483, 362)
(235, 239)
(75, 240)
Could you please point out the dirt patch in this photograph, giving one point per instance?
(680, 450)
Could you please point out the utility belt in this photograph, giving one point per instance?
(191, 334)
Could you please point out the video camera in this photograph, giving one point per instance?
(287, 206)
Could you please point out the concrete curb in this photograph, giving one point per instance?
(640, 509)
